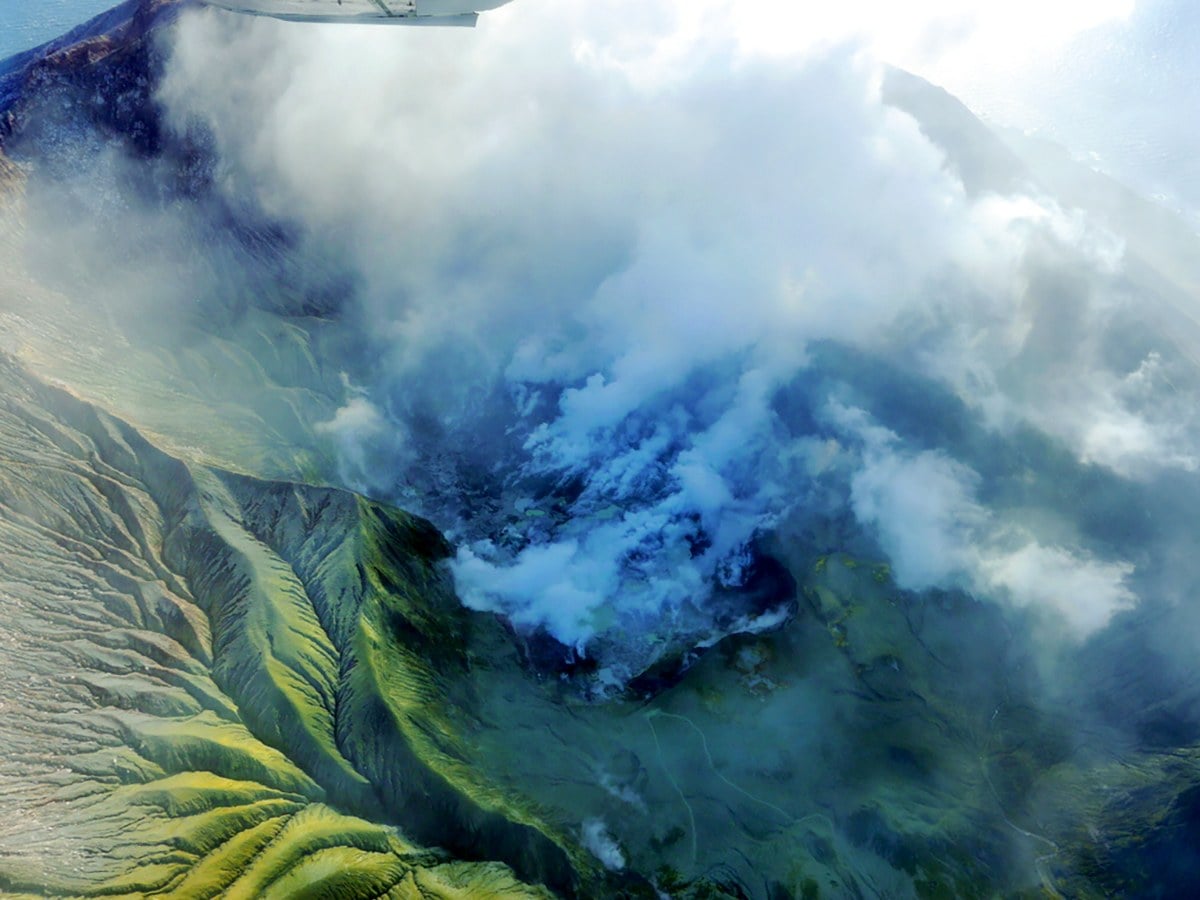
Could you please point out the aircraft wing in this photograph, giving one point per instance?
(382, 12)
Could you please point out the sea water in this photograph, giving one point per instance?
(24, 25)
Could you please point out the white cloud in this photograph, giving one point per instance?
(923, 509)
(371, 448)
(600, 843)
(554, 585)
(952, 43)
(938, 38)
(1082, 593)
(635, 221)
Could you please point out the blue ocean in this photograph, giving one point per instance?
(24, 25)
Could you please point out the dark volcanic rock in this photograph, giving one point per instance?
(102, 74)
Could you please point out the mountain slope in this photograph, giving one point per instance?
(194, 690)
